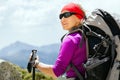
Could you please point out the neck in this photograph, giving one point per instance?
(74, 28)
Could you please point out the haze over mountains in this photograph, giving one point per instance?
(18, 53)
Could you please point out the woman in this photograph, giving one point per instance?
(71, 17)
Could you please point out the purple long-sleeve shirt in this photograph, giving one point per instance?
(70, 51)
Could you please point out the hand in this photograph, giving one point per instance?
(34, 59)
(33, 62)
(36, 62)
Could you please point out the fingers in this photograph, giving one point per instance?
(36, 63)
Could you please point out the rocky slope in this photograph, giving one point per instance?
(8, 71)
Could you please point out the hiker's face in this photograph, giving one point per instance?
(69, 20)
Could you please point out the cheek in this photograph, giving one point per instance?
(72, 23)
(75, 22)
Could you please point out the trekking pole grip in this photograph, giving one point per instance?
(33, 58)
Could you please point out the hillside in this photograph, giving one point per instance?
(10, 71)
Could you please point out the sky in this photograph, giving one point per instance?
(36, 22)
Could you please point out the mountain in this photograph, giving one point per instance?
(15, 47)
(18, 53)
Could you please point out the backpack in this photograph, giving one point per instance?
(103, 35)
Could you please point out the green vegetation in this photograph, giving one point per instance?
(9, 71)
(28, 76)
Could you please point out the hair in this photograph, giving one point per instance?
(74, 7)
(82, 10)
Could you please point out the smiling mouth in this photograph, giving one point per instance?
(64, 23)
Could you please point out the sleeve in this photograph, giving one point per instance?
(64, 57)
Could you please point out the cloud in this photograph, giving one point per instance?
(111, 6)
(35, 21)
(27, 21)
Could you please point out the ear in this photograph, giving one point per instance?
(81, 21)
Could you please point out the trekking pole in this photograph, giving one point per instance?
(31, 63)
(33, 58)
(33, 74)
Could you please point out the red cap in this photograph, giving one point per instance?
(72, 7)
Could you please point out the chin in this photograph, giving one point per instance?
(66, 29)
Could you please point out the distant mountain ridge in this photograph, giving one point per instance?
(18, 53)
(17, 46)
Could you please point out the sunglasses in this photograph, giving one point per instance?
(66, 15)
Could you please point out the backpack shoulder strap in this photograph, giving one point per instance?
(77, 72)
(79, 30)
